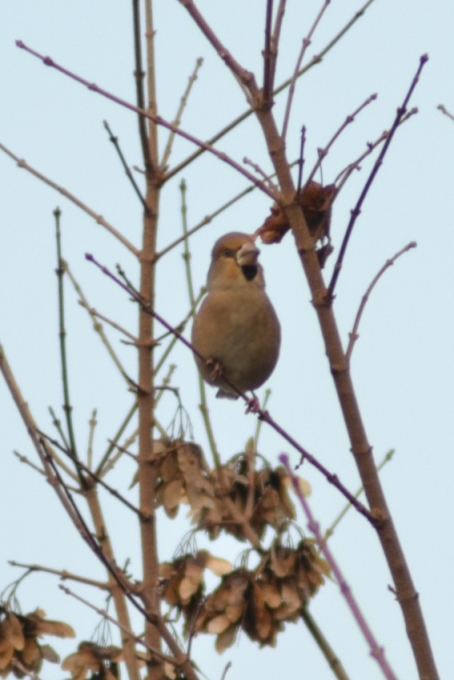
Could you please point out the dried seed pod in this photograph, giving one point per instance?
(101, 661)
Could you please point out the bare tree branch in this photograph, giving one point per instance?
(98, 218)
(354, 332)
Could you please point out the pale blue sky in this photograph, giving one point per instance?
(403, 362)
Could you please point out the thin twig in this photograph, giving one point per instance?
(203, 406)
(376, 651)
(130, 440)
(330, 531)
(151, 87)
(264, 415)
(355, 165)
(354, 332)
(67, 408)
(62, 573)
(258, 427)
(322, 153)
(206, 220)
(357, 209)
(98, 218)
(92, 423)
(96, 477)
(126, 168)
(136, 638)
(333, 660)
(97, 327)
(228, 665)
(274, 48)
(99, 470)
(139, 76)
(317, 59)
(306, 42)
(268, 57)
(176, 122)
(157, 120)
(301, 160)
(57, 423)
(209, 218)
(30, 424)
(180, 329)
(94, 312)
(268, 181)
(444, 110)
(24, 459)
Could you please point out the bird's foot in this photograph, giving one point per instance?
(216, 369)
(253, 404)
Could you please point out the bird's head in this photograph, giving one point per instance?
(234, 263)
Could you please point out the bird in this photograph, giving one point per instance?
(236, 329)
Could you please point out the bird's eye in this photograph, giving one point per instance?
(228, 253)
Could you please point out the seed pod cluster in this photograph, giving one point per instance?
(261, 601)
(19, 646)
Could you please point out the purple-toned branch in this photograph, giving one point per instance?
(444, 110)
(322, 153)
(244, 76)
(357, 209)
(376, 651)
(154, 118)
(371, 146)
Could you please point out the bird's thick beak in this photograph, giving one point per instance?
(247, 255)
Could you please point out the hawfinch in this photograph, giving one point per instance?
(236, 329)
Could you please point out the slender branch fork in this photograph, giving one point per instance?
(262, 414)
(389, 263)
(155, 119)
(322, 153)
(376, 651)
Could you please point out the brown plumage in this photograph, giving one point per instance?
(236, 328)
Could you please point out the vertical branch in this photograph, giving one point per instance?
(275, 38)
(301, 159)
(61, 313)
(139, 76)
(183, 101)
(93, 423)
(152, 107)
(268, 57)
(203, 400)
(145, 398)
